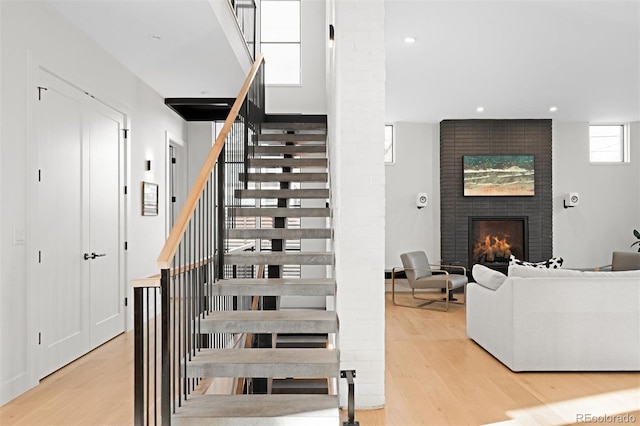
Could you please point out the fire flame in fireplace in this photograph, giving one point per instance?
(491, 249)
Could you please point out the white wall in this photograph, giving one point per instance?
(356, 159)
(309, 97)
(32, 34)
(416, 169)
(609, 208)
(201, 136)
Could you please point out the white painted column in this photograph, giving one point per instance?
(356, 105)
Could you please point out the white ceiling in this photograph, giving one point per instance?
(514, 58)
(178, 47)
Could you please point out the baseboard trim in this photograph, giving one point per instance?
(16, 386)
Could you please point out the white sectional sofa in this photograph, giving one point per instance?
(558, 320)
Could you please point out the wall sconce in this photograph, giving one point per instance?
(332, 35)
(571, 200)
(147, 165)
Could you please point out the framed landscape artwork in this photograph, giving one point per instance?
(498, 175)
(149, 199)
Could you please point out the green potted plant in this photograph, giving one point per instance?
(637, 235)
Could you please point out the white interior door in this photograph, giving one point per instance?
(176, 179)
(77, 224)
(61, 278)
(103, 215)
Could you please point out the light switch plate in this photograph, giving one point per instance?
(18, 236)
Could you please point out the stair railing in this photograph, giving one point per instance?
(168, 307)
(245, 11)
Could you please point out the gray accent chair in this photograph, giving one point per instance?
(625, 261)
(423, 275)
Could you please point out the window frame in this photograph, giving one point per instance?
(299, 43)
(393, 144)
(624, 144)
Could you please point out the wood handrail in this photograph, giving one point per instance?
(171, 245)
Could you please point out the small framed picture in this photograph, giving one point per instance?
(149, 199)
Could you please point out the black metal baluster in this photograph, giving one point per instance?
(165, 392)
(155, 356)
(138, 321)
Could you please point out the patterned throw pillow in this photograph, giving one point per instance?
(553, 263)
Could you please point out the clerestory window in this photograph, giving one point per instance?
(280, 41)
(608, 143)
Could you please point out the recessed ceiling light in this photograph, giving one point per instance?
(480, 109)
(409, 40)
(155, 37)
(553, 109)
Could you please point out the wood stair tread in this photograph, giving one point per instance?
(282, 211)
(282, 193)
(279, 233)
(256, 409)
(279, 258)
(293, 125)
(284, 321)
(287, 162)
(285, 177)
(292, 137)
(275, 287)
(253, 362)
(290, 149)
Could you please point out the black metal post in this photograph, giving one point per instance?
(221, 212)
(350, 375)
(165, 356)
(138, 322)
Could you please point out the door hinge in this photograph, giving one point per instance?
(126, 300)
(39, 256)
(39, 175)
(126, 245)
(39, 338)
(40, 89)
(125, 190)
(173, 160)
(126, 133)
(173, 199)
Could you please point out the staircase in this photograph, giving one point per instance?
(300, 370)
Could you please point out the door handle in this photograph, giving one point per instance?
(92, 256)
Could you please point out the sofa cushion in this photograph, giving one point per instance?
(487, 277)
(553, 263)
(528, 272)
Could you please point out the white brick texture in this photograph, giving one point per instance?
(356, 150)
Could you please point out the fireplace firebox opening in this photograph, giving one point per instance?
(492, 240)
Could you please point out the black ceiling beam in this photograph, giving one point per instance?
(201, 109)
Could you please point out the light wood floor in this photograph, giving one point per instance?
(435, 375)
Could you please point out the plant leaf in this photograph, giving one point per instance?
(636, 233)
(637, 242)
